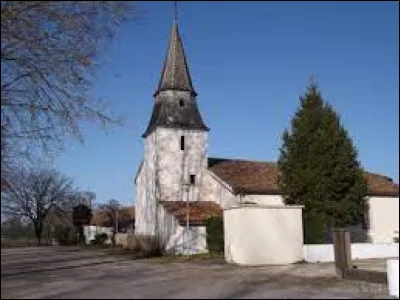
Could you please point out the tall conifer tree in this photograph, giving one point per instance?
(319, 168)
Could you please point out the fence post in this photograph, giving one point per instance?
(342, 250)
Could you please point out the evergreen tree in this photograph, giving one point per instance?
(318, 167)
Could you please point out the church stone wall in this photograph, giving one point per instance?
(174, 166)
(214, 190)
(178, 239)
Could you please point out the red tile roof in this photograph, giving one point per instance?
(199, 211)
(256, 177)
(249, 177)
(380, 185)
(101, 218)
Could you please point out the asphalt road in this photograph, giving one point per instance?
(67, 272)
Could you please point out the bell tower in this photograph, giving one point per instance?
(175, 140)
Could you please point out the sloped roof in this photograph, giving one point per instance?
(249, 177)
(380, 185)
(169, 114)
(175, 73)
(125, 215)
(257, 177)
(199, 211)
(174, 111)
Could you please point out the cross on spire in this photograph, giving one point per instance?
(176, 12)
(312, 80)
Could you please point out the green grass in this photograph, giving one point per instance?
(169, 258)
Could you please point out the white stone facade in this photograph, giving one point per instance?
(165, 172)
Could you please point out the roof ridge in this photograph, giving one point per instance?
(244, 160)
(380, 175)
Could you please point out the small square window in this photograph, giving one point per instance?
(181, 103)
(192, 179)
(182, 143)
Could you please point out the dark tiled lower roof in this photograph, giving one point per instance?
(199, 211)
(168, 113)
(256, 177)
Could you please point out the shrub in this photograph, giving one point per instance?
(65, 236)
(215, 234)
(144, 245)
(100, 239)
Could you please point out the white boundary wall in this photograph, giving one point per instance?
(324, 253)
(393, 277)
(263, 235)
(90, 232)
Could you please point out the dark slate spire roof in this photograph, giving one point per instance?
(178, 110)
(175, 73)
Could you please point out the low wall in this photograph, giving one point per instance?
(90, 232)
(324, 253)
(393, 277)
(262, 235)
(121, 239)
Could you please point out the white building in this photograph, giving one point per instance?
(176, 170)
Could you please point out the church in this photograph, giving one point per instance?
(178, 186)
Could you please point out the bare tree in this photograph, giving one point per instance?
(89, 197)
(34, 194)
(111, 209)
(49, 55)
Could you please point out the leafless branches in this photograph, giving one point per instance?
(111, 209)
(49, 55)
(34, 194)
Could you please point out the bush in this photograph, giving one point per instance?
(100, 239)
(65, 236)
(215, 234)
(144, 245)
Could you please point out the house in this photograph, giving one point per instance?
(126, 219)
(178, 186)
(104, 221)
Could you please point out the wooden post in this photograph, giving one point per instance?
(342, 250)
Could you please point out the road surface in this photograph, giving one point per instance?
(68, 272)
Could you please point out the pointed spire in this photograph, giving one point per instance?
(175, 110)
(175, 74)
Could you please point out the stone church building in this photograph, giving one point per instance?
(178, 186)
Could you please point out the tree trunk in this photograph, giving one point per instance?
(38, 233)
(113, 237)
